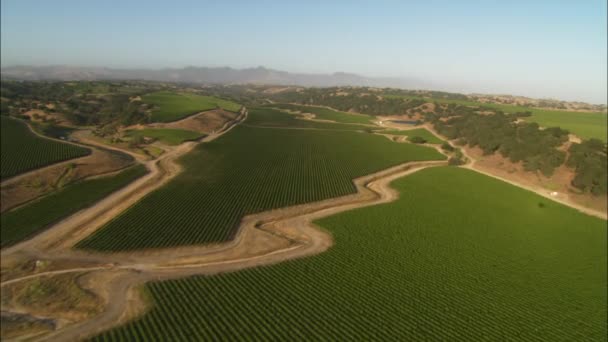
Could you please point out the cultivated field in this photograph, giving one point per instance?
(168, 136)
(252, 169)
(174, 106)
(267, 117)
(322, 113)
(493, 262)
(417, 132)
(22, 150)
(29, 219)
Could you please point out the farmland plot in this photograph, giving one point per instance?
(174, 106)
(25, 221)
(459, 256)
(23, 151)
(250, 170)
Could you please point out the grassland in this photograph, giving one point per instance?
(448, 261)
(22, 150)
(322, 113)
(418, 132)
(168, 136)
(174, 106)
(584, 124)
(25, 221)
(250, 170)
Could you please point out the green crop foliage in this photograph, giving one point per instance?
(277, 119)
(323, 113)
(418, 132)
(458, 257)
(27, 220)
(176, 106)
(250, 170)
(169, 136)
(23, 151)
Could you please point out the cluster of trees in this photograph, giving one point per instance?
(81, 103)
(358, 101)
(589, 159)
(499, 132)
(538, 149)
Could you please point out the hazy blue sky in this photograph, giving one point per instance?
(536, 48)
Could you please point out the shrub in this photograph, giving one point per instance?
(416, 140)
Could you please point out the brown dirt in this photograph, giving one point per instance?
(38, 115)
(59, 296)
(204, 122)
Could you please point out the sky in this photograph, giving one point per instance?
(534, 48)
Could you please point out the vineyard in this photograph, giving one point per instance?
(486, 264)
(23, 222)
(323, 113)
(175, 106)
(23, 151)
(418, 132)
(247, 171)
(168, 136)
(267, 117)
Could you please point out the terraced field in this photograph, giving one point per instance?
(322, 113)
(249, 170)
(25, 221)
(174, 106)
(418, 132)
(168, 136)
(23, 151)
(491, 263)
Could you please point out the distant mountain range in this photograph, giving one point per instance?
(223, 75)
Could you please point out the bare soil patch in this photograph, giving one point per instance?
(204, 122)
(38, 115)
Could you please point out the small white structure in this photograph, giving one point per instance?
(553, 193)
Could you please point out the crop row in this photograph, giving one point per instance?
(446, 261)
(247, 171)
(22, 150)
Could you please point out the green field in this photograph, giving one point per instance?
(323, 113)
(23, 151)
(266, 117)
(447, 261)
(168, 136)
(583, 124)
(250, 170)
(27, 220)
(175, 106)
(418, 132)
